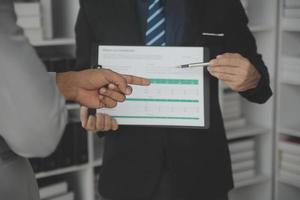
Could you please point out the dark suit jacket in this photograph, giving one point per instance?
(199, 160)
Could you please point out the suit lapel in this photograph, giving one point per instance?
(115, 22)
(194, 18)
(174, 23)
(129, 20)
(185, 20)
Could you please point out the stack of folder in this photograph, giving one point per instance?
(232, 109)
(291, 69)
(56, 191)
(290, 159)
(243, 156)
(72, 150)
(291, 9)
(36, 18)
(29, 18)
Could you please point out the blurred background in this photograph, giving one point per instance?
(264, 139)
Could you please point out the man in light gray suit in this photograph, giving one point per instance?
(32, 109)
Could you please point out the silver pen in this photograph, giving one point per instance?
(192, 65)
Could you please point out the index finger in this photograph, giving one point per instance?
(227, 61)
(134, 80)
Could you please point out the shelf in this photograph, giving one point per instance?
(256, 180)
(290, 82)
(54, 42)
(290, 24)
(261, 28)
(291, 182)
(61, 171)
(246, 131)
(290, 132)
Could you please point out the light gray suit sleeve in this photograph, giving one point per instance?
(32, 112)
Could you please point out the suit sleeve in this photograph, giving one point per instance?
(239, 39)
(32, 112)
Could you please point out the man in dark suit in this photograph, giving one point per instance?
(168, 163)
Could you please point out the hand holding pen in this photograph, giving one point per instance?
(236, 71)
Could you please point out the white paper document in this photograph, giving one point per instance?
(175, 96)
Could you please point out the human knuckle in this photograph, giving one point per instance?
(122, 98)
(109, 105)
(107, 127)
(243, 74)
(130, 78)
(237, 88)
(113, 104)
(247, 63)
(238, 84)
(100, 126)
(248, 72)
(241, 80)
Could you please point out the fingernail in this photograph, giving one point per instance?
(102, 90)
(111, 86)
(101, 97)
(128, 91)
(123, 99)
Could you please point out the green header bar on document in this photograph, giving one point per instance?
(163, 100)
(174, 81)
(156, 117)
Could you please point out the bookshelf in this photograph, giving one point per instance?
(257, 120)
(54, 42)
(288, 102)
(79, 177)
(246, 131)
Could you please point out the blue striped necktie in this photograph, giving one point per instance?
(156, 24)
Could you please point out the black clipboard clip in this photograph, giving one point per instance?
(92, 111)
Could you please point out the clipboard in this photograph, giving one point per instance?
(96, 61)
